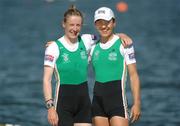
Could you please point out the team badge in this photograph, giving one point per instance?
(83, 55)
(96, 55)
(112, 56)
(65, 57)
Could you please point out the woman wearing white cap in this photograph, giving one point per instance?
(110, 62)
(67, 58)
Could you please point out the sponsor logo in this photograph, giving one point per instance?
(96, 55)
(131, 56)
(83, 55)
(65, 57)
(101, 12)
(112, 56)
(49, 58)
(94, 37)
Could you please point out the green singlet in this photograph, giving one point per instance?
(71, 67)
(108, 63)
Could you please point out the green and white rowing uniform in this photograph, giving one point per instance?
(69, 61)
(70, 64)
(110, 59)
(109, 62)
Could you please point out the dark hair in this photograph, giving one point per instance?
(72, 11)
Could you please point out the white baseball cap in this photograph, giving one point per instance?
(104, 13)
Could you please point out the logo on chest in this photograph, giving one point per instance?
(83, 55)
(112, 56)
(96, 55)
(65, 57)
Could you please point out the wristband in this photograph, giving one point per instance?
(49, 100)
(49, 105)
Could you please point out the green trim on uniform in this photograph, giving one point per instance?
(108, 63)
(72, 66)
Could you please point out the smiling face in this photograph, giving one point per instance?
(105, 28)
(72, 23)
(72, 27)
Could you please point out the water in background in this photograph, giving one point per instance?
(25, 26)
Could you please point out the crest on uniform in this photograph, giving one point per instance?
(112, 56)
(65, 57)
(96, 55)
(83, 55)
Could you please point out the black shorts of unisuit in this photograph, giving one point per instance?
(74, 105)
(108, 100)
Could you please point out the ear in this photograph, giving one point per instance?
(114, 24)
(63, 24)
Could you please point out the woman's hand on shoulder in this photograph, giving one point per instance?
(48, 43)
(126, 40)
